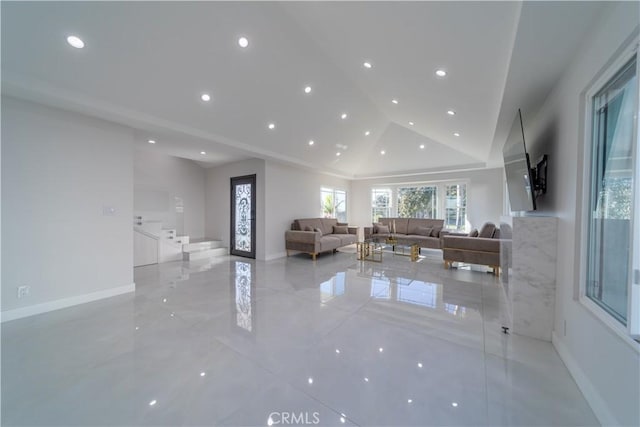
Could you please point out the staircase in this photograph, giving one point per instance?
(157, 244)
(203, 249)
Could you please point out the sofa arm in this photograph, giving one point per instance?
(476, 244)
(302, 236)
(353, 230)
(444, 233)
(368, 231)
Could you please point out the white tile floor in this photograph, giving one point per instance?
(336, 342)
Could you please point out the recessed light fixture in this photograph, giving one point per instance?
(205, 97)
(337, 350)
(422, 148)
(271, 126)
(338, 153)
(243, 41)
(440, 72)
(203, 152)
(451, 112)
(456, 134)
(202, 374)
(151, 141)
(381, 349)
(75, 41)
(366, 380)
(395, 101)
(383, 152)
(454, 404)
(343, 116)
(307, 89)
(411, 123)
(153, 402)
(311, 142)
(409, 400)
(367, 65)
(419, 364)
(310, 380)
(367, 133)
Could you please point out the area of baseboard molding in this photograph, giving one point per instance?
(598, 406)
(32, 310)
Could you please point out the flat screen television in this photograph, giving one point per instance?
(517, 167)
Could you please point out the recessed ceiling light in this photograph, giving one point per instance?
(153, 402)
(367, 65)
(271, 126)
(310, 380)
(202, 374)
(311, 142)
(409, 400)
(338, 153)
(307, 89)
(422, 148)
(343, 116)
(205, 97)
(75, 41)
(151, 141)
(383, 152)
(451, 112)
(243, 42)
(411, 123)
(367, 133)
(454, 404)
(441, 73)
(395, 101)
(456, 134)
(203, 152)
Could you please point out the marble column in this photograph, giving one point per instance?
(532, 284)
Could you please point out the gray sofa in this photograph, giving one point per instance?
(423, 231)
(481, 247)
(316, 235)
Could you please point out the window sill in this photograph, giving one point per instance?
(610, 322)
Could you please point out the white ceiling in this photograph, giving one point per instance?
(145, 65)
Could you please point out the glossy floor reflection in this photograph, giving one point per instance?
(243, 342)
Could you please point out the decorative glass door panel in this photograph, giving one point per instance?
(243, 211)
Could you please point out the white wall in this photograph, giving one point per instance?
(218, 200)
(60, 170)
(606, 367)
(158, 180)
(294, 193)
(485, 190)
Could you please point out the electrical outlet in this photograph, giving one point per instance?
(24, 291)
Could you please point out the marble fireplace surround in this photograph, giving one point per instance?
(529, 275)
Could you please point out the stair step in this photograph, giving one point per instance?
(204, 254)
(197, 246)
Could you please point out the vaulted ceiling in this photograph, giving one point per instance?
(146, 65)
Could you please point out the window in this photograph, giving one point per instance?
(429, 200)
(455, 207)
(380, 203)
(334, 204)
(417, 202)
(610, 213)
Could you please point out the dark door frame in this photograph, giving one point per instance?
(239, 180)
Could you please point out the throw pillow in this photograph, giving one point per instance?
(487, 230)
(317, 230)
(473, 233)
(381, 229)
(424, 231)
(436, 231)
(308, 228)
(340, 229)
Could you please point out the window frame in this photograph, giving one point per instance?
(631, 332)
(390, 207)
(333, 190)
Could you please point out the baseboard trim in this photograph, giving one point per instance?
(598, 406)
(32, 310)
(275, 256)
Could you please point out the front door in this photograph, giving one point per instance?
(243, 216)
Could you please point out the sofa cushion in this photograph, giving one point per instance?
(308, 228)
(329, 242)
(326, 225)
(381, 229)
(415, 223)
(345, 239)
(402, 224)
(487, 230)
(303, 223)
(473, 233)
(340, 229)
(422, 231)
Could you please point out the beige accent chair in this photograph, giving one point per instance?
(316, 235)
(475, 248)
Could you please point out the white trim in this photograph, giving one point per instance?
(275, 256)
(32, 310)
(593, 398)
(617, 327)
